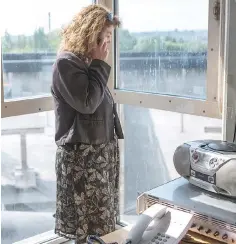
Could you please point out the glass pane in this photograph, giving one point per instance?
(151, 137)
(163, 47)
(28, 180)
(30, 38)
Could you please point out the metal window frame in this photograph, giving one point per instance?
(25, 105)
(208, 108)
(229, 72)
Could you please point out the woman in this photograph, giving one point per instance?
(87, 128)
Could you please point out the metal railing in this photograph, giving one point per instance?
(34, 62)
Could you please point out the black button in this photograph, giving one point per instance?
(225, 236)
(200, 228)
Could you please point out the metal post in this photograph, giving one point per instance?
(182, 122)
(229, 111)
(49, 22)
(23, 147)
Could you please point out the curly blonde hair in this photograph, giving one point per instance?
(81, 35)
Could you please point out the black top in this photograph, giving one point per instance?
(84, 108)
(223, 146)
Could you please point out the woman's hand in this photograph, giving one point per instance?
(101, 51)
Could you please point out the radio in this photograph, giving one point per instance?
(208, 164)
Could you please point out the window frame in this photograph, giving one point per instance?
(208, 108)
(229, 72)
(22, 106)
(25, 105)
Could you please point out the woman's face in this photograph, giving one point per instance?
(106, 34)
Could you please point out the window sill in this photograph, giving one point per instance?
(49, 238)
(44, 238)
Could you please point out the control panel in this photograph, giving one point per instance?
(214, 231)
(205, 161)
(202, 224)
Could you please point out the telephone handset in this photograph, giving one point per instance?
(156, 212)
(159, 224)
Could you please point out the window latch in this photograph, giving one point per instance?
(216, 10)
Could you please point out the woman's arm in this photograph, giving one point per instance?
(82, 88)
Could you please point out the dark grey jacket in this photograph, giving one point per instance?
(84, 108)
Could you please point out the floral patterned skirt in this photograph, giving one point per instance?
(87, 190)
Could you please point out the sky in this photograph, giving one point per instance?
(23, 16)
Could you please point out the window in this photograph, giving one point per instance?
(151, 137)
(30, 38)
(28, 181)
(29, 42)
(166, 82)
(165, 54)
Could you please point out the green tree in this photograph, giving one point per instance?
(126, 40)
(197, 46)
(54, 40)
(147, 44)
(174, 46)
(7, 43)
(40, 39)
(21, 42)
(170, 39)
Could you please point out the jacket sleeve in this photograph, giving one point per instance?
(81, 87)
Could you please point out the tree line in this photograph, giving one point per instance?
(40, 41)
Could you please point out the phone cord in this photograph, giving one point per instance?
(95, 239)
(234, 132)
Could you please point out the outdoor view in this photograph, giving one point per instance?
(162, 49)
